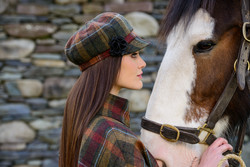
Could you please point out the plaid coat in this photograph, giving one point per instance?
(108, 141)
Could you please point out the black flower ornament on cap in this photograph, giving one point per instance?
(118, 46)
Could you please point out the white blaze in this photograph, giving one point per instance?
(170, 99)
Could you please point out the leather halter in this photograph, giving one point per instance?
(239, 77)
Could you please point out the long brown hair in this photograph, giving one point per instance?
(84, 101)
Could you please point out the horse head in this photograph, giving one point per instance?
(203, 39)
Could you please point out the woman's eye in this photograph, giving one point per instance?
(134, 55)
(203, 46)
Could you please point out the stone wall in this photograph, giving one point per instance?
(36, 77)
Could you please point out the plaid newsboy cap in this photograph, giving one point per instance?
(91, 43)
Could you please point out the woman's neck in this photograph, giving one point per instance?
(115, 90)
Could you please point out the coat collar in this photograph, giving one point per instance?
(117, 108)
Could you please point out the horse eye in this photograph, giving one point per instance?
(203, 46)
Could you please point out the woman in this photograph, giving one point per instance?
(95, 129)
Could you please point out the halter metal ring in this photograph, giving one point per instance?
(244, 31)
(171, 127)
(248, 65)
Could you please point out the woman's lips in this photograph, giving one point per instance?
(140, 76)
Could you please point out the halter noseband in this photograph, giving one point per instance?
(239, 77)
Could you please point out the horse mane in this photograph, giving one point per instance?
(178, 9)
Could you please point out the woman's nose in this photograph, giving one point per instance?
(142, 63)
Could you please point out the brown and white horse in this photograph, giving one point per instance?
(203, 39)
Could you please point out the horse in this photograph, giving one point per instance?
(203, 38)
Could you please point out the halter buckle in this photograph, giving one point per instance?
(244, 31)
(248, 65)
(171, 127)
(208, 130)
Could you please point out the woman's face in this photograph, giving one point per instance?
(130, 74)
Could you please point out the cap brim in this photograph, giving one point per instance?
(136, 45)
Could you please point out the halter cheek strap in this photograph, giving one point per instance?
(243, 61)
(248, 80)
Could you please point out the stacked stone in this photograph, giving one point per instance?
(36, 77)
